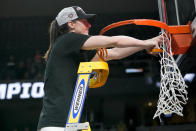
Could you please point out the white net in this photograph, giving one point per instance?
(173, 88)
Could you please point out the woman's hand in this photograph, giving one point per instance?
(153, 43)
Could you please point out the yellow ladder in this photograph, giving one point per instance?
(92, 75)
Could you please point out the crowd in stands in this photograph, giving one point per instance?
(31, 68)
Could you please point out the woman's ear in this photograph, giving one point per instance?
(70, 25)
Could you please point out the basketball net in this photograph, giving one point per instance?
(173, 92)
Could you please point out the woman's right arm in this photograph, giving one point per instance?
(95, 42)
(123, 45)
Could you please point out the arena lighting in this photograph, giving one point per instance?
(134, 70)
(189, 77)
(21, 90)
(158, 84)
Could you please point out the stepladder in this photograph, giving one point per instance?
(89, 75)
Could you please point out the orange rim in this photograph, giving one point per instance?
(180, 29)
(149, 22)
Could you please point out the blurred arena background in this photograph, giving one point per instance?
(126, 103)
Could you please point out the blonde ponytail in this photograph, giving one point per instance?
(53, 34)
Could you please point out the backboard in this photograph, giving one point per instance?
(180, 12)
(176, 12)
